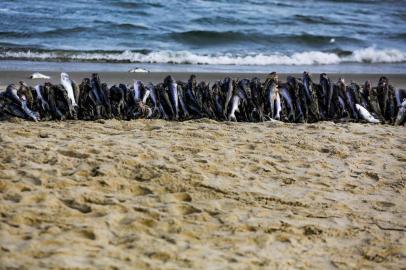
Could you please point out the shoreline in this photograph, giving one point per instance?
(8, 77)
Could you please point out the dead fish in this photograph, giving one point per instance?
(401, 117)
(147, 93)
(274, 100)
(284, 92)
(67, 84)
(44, 105)
(366, 115)
(327, 87)
(138, 70)
(33, 115)
(37, 75)
(235, 102)
(228, 88)
(137, 90)
(172, 86)
(308, 85)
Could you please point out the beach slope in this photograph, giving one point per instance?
(151, 194)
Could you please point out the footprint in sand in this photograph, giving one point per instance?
(88, 234)
(139, 190)
(74, 154)
(83, 208)
(184, 197)
(184, 209)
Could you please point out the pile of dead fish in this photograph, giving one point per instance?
(296, 100)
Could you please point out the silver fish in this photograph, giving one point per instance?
(150, 87)
(173, 94)
(307, 83)
(284, 92)
(67, 84)
(138, 70)
(230, 89)
(37, 75)
(274, 100)
(366, 115)
(235, 102)
(33, 115)
(41, 99)
(401, 117)
(137, 90)
(146, 95)
(278, 106)
(12, 93)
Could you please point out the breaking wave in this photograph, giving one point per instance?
(367, 55)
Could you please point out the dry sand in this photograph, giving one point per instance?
(151, 194)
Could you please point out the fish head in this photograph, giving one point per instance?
(307, 79)
(244, 85)
(367, 87)
(292, 81)
(216, 87)
(168, 80)
(192, 81)
(383, 81)
(256, 88)
(12, 88)
(64, 76)
(273, 76)
(323, 78)
(306, 74)
(137, 84)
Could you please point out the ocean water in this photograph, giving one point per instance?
(203, 34)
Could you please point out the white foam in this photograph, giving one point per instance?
(367, 55)
(372, 55)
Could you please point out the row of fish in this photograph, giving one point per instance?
(296, 100)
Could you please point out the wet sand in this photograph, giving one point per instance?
(7, 77)
(151, 194)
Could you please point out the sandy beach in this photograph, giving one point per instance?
(152, 194)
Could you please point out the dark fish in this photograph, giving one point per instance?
(382, 91)
(182, 100)
(327, 89)
(258, 98)
(165, 102)
(11, 93)
(153, 94)
(341, 104)
(308, 85)
(42, 103)
(172, 87)
(296, 98)
(31, 114)
(273, 98)
(400, 95)
(288, 101)
(106, 95)
(217, 100)
(117, 100)
(137, 91)
(351, 99)
(401, 115)
(228, 88)
(96, 88)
